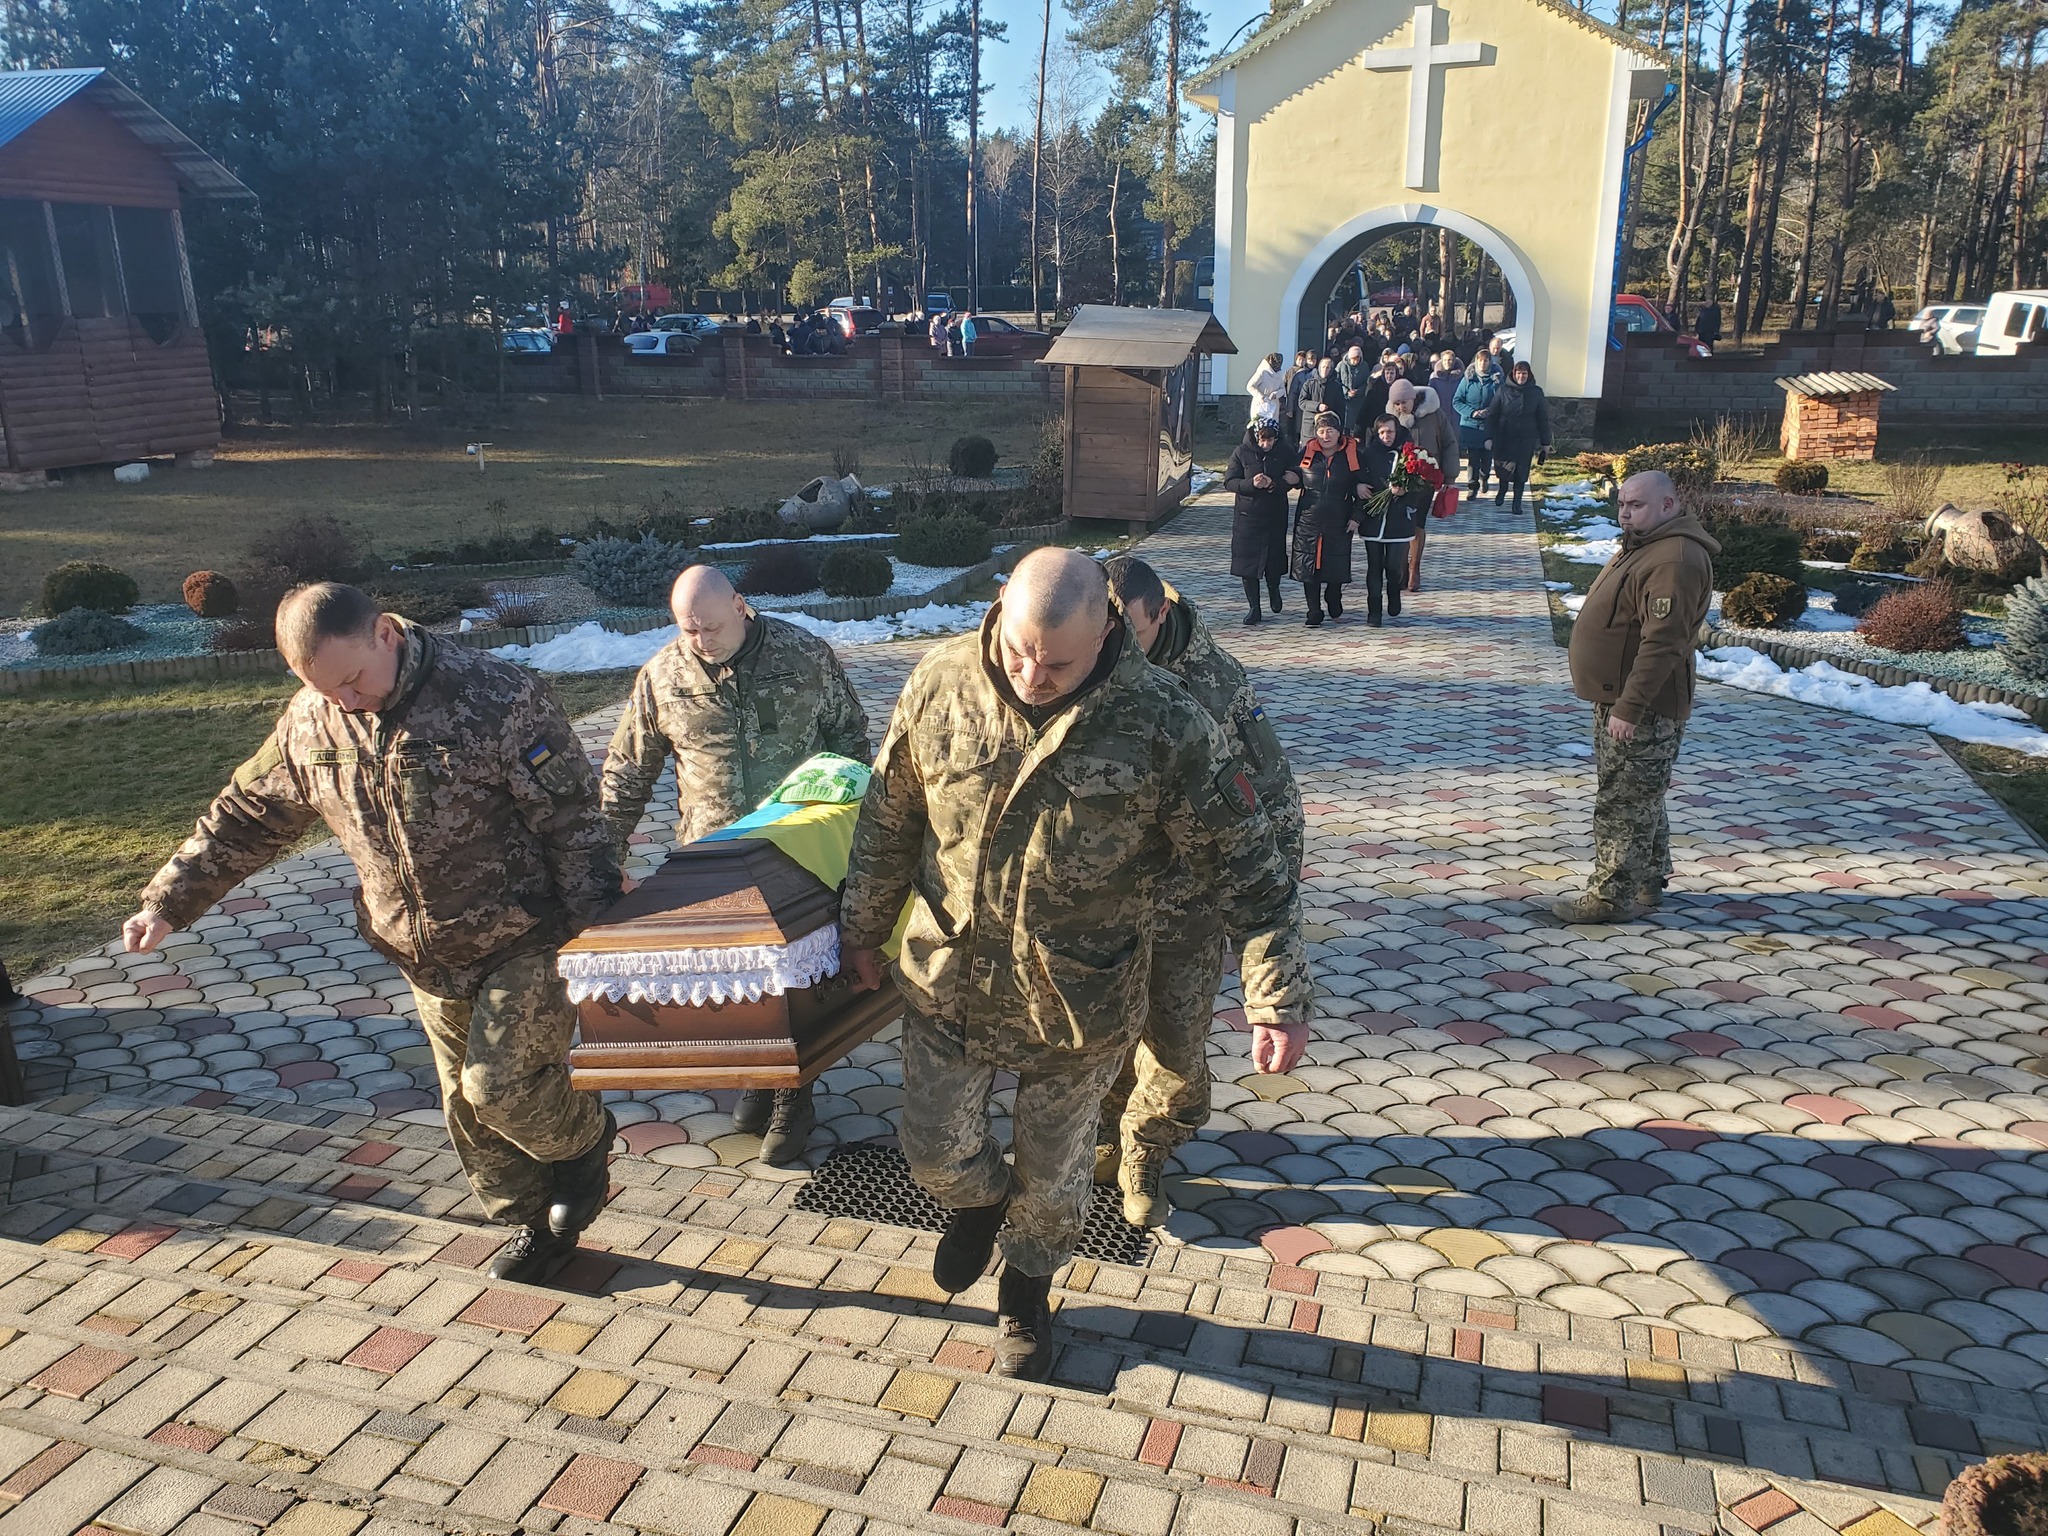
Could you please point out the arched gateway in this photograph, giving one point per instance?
(1504, 121)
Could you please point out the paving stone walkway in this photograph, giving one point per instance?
(1736, 1220)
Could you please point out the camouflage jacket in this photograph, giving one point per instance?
(736, 729)
(1037, 855)
(468, 806)
(1188, 650)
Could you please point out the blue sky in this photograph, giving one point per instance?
(1013, 65)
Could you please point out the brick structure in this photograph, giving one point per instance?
(1657, 389)
(1831, 415)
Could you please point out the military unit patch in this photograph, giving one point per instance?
(1660, 607)
(1235, 786)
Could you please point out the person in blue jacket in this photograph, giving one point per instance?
(1474, 394)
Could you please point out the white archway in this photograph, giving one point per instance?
(1529, 317)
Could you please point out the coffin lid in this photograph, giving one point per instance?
(714, 896)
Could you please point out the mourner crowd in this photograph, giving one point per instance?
(1366, 442)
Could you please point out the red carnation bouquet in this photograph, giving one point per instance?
(1415, 479)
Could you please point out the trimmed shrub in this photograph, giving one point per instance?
(1886, 547)
(420, 604)
(1833, 544)
(779, 572)
(82, 631)
(2026, 628)
(636, 571)
(310, 549)
(1763, 602)
(1691, 466)
(856, 571)
(955, 539)
(2005, 1496)
(972, 457)
(1599, 465)
(246, 636)
(1801, 477)
(736, 525)
(88, 584)
(1752, 542)
(1919, 618)
(210, 594)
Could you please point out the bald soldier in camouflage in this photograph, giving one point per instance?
(1037, 783)
(1161, 1097)
(740, 700)
(455, 783)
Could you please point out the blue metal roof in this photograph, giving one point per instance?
(29, 95)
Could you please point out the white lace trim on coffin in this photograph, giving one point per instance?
(694, 977)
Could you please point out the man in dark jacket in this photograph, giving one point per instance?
(1260, 473)
(1708, 324)
(1632, 660)
(1353, 375)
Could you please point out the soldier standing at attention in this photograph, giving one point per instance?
(1161, 1097)
(740, 700)
(1632, 660)
(455, 783)
(1036, 785)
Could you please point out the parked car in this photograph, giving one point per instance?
(1634, 313)
(1396, 296)
(938, 303)
(531, 342)
(661, 344)
(855, 319)
(2012, 319)
(1949, 329)
(690, 324)
(999, 338)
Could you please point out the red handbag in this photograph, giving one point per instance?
(1446, 501)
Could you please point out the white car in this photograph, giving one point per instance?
(1950, 329)
(2012, 319)
(661, 344)
(693, 325)
(530, 341)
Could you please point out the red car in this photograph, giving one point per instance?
(999, 338)
(1633, 312)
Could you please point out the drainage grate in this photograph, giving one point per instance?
(872, 1182)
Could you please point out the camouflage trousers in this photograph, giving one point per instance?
(1631, 832)
(955, 1158)
(502, 1060)
(1161, 1097)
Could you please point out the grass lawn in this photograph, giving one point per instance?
(554, 461)
(101, 785)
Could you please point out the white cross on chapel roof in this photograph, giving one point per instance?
(1419, 58)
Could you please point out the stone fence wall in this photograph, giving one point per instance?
(735, 366)
(1650, 382)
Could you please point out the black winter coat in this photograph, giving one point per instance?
(1258, 519)
(1517, 421)
(1399, 519)
(1323, 392)
(1331, 484)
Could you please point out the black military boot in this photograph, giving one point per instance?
(581, 1184)
(750, 1115)
(789, 1127)
(964, 1251)
(532, 1256)
(1023, 1325)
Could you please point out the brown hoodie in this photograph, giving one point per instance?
(1632, 646)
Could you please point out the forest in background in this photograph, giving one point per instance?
(431, 170)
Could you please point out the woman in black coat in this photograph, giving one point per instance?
(1385, 531)
(1321, 391)
(1332, 478)
(1517, 422)
(1259, 475)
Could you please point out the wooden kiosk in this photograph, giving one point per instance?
(1130, 425)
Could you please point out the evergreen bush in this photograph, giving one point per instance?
(634, 571)
(83, 631)
(422, 605)
(210, 594)
(1801, 477)
(1763, 601)
(1853, 599)
(310, 549)
(1691, 466)
(2026, 628)
(955, 539)
(1752, 542)
(780, 571)
(972, 457)
(249, 635)
(1887, 546)
(88, 584)
(1923, 617)
(856, 571)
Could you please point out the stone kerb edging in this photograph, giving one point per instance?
(241, 663)
(1791, 657)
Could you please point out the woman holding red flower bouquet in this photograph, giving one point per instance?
(1332, 477)
(1403, 481)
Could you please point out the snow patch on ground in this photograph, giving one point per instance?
(1998, 725)
(593, 648)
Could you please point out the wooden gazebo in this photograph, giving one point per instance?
(1130, 424)
(101, 355)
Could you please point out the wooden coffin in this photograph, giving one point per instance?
(714, 896)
